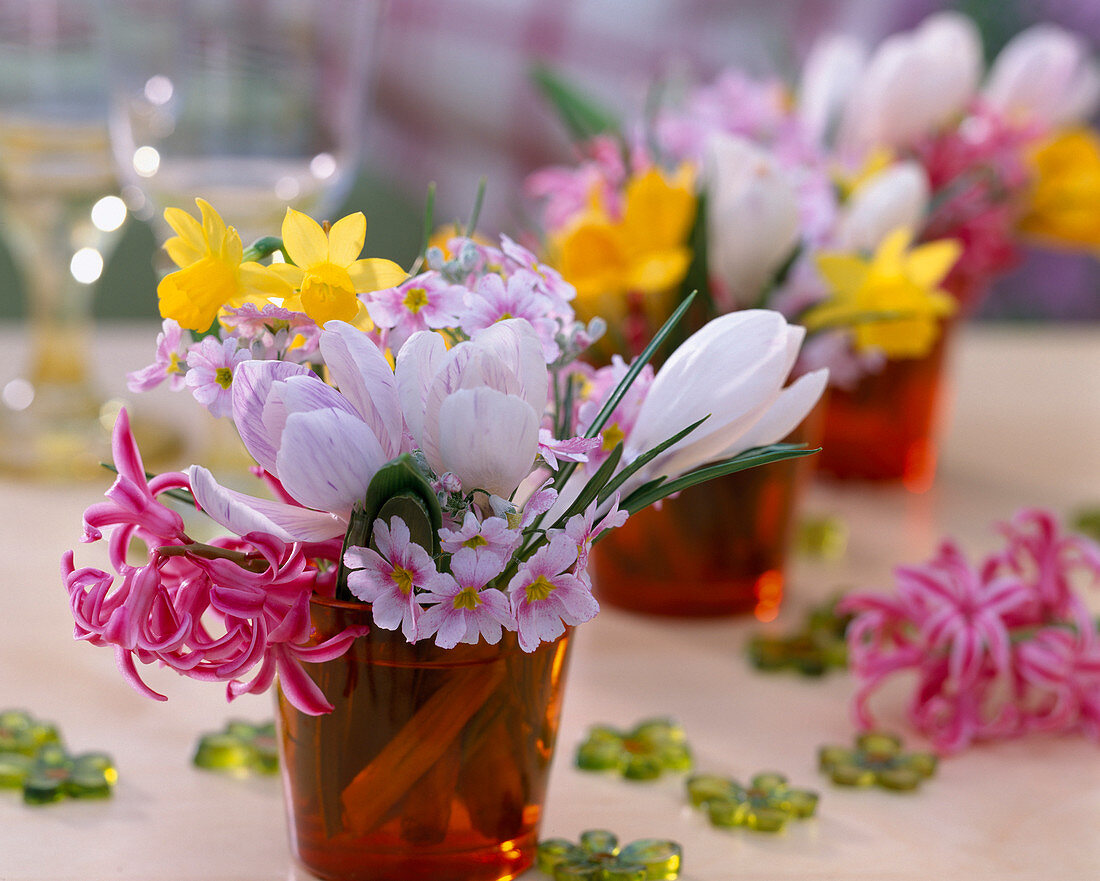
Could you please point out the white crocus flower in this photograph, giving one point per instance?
(475, 410)
(831, 71)
(915, 83)
(733, 370)
(752, 218)
(1044, 73)
(895, 197)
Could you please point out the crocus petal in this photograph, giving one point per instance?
(515, 343)
(488, 439)
(828, 76)
(364, 377)
(417, 363)
(327, 459)
(784, 415)
(252, 381)
(730, 370)
(894, 198)
(242, 514)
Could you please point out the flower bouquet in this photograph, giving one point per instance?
(438, 466)
(873, 203)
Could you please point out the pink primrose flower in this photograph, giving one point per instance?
(212, 363)
(170, 362)
(547, 595)
(495, 300)
(466, 609)
(584, 529)
(425, 302)
(389, 578)
(491, 536)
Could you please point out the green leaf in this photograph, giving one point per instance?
(643, 497)
(479, 199)
(644, 459)
(582, 116)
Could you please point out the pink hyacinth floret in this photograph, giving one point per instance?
(1000, 649)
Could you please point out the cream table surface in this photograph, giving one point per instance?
(1025, 430)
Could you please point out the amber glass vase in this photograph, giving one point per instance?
(887, 426)
(718, 548)
(433, 763)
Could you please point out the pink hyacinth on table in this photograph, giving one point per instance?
(999, 649)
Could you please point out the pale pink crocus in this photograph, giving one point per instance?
(212, 364)
(170, 361)
(491, 536)
(547, 596)
(466, 609)
(388, 579)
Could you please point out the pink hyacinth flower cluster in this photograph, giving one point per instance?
(979, 180)
(234, 609)
(1001, 649)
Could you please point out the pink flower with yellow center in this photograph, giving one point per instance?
(489, 536)
(546, 595)
(212, 364)
(467, 609)
(170, 362)
(422, 303)
(388, 578)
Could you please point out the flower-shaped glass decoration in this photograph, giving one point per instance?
(877, 759)
(817, 646)
(52, 774)
(241, 748)
(598, 857)
(765, 805)
(21, 733)
(643, 753)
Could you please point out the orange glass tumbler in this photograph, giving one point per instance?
(716, 549)
(433, 763)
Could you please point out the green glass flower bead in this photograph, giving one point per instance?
(877, 759)
(241, 748)
(815, 648)
(651, 748)
(765, 805)
(21, 733)
(54, 775)
(598, 857)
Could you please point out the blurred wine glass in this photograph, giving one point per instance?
(252, 105)
(57, 187)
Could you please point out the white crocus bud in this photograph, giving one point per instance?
(915, 83)
(732, 371)
(1044, 73)
(895, 197)
(829, 75)
(752, 219)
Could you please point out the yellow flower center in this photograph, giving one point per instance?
(415, 300)
(403, 578)
(174, 365)
(223, 376)
(612, 436)
(504, 316)
(467, 598)
(478, 541)
(539, 589)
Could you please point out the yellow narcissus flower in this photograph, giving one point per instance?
(1065, 200)
(211, 274)
(898, 283)
(646, 252)
(327, 271)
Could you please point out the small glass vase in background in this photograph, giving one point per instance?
(886, 428)
(717, 549)
(433, 763)
(60, 221)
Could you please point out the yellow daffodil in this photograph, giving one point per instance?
(1065, 200)
(893, 301)
(645, 252)
(211, 274)
(327, 271)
